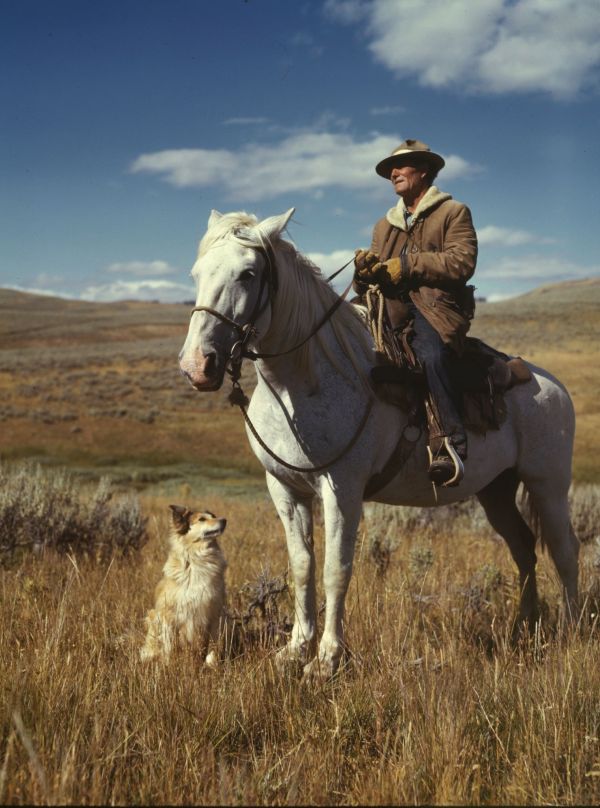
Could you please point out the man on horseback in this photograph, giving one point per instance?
(422, 254)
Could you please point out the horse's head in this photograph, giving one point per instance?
(235, 278)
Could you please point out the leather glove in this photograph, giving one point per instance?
(364, 260)
(359, 287)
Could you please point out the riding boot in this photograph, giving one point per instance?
(446, 453)
(447, 437)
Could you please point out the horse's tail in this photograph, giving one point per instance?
(531, 515)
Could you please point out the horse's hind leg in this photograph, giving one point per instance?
(551, 507)
(498, 500)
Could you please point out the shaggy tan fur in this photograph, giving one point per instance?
(433, 197)
(190, 598)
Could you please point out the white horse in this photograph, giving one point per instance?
(314, 404)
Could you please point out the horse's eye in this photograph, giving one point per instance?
(247, 275)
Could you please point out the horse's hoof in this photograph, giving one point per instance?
(318, 672)
(289, 663)
(524, 628)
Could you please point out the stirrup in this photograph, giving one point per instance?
(458, 471)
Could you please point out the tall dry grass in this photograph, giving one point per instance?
(436, 705)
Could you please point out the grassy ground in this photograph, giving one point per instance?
(96, 387)
(436, 706)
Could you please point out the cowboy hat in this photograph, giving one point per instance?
(407, 152)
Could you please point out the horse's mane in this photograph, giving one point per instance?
(303, 295)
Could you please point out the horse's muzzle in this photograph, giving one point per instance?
(203, 372)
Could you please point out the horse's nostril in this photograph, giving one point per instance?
(200, 369)
(209, 364)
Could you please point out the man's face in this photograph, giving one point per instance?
(409, 181)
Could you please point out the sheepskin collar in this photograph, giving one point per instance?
(432, 199)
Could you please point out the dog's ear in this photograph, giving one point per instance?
(181, 518)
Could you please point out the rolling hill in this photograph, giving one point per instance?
(96, 386)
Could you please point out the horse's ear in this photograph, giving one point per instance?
(214, 217)
(274, 225)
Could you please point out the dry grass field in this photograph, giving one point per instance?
(97, 387)
(437, 704)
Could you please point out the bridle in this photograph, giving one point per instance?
(240, 351)
(246, 331)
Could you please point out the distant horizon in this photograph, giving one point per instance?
(191, 301)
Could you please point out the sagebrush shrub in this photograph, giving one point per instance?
(42, 509)
(585, 512)
(386, 525)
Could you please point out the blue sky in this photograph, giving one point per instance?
(125, 121)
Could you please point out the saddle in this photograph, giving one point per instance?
(480, 377)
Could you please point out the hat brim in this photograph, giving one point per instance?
(384, 168)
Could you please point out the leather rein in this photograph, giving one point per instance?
(240, 351)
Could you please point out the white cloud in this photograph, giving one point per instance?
(34, 290)
(494, 236)
(187, 167)
(329, 263)
(165, 291)
(494, 46)
(535, 269)
(304, 162)
(548, 45)
(457, 168)
(142, 268)
(496, 297)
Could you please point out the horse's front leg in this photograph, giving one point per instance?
(297, 518)
(341, 517)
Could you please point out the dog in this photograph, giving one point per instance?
(190, 599)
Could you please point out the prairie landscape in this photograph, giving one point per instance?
(439, 702)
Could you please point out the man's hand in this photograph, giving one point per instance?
(370, 271)
(388, 272)
(364, 260)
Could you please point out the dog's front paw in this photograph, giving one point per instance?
(149, 654)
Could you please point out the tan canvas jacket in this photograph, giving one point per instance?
(438, 252)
